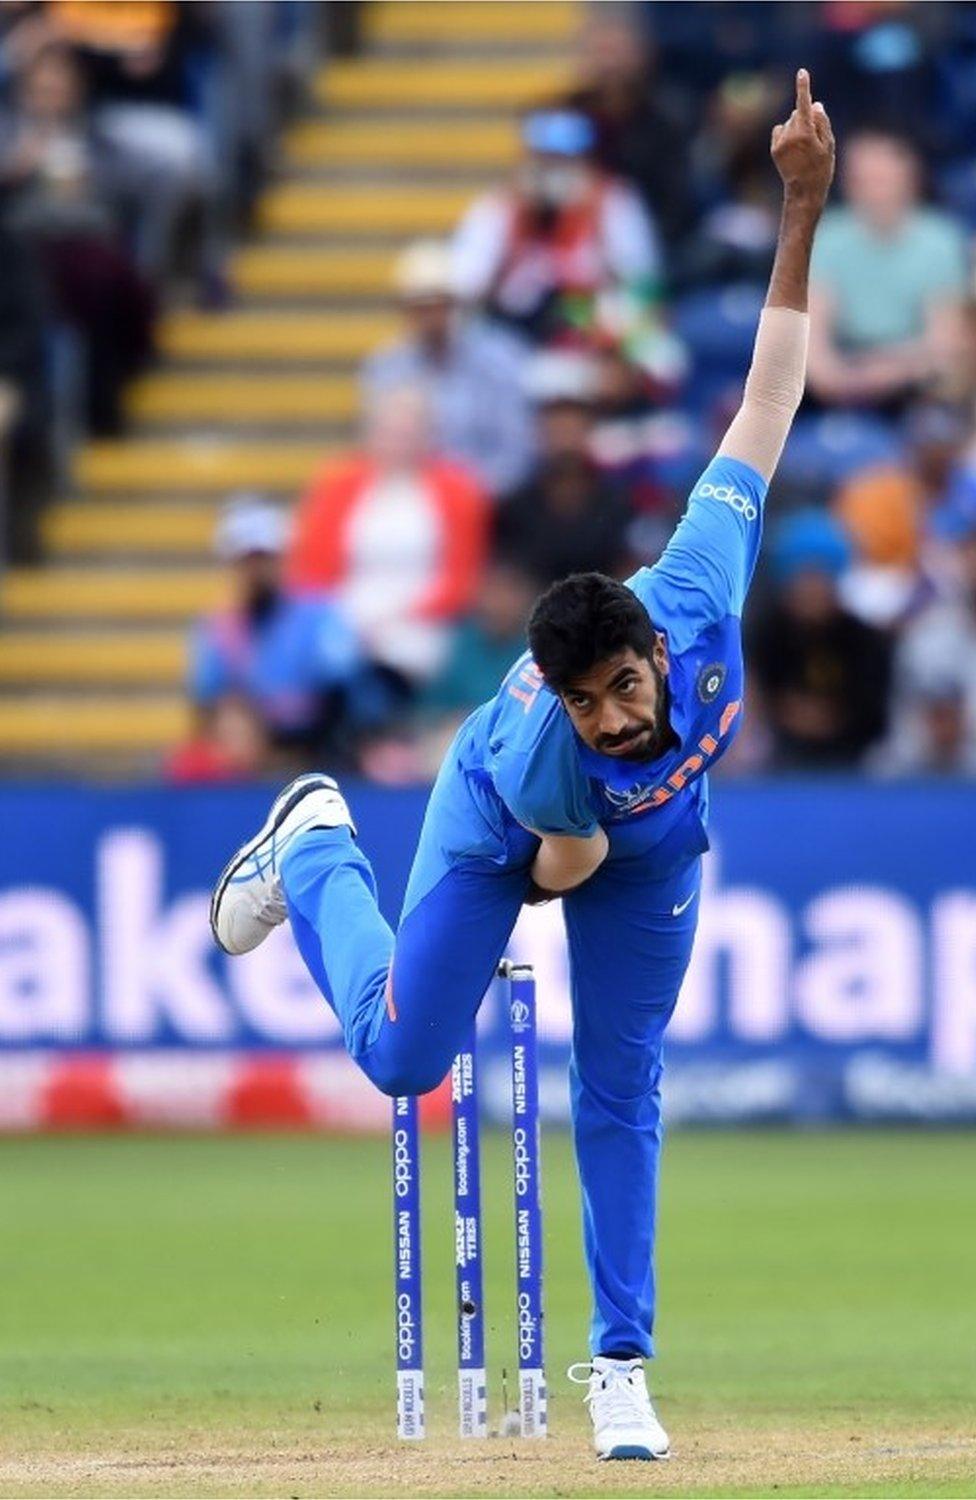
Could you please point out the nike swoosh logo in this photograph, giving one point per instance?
(677, 910)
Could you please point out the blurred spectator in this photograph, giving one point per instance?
(874, 61)
(736, 239)
(959, 383)
(26, 456)
(472, 372)
(883, 522)
(540, 254)
(264, 54)
(642, 129)
(935, 736)
(652, 455)
(935, 675)
(952, 104)
(50, 176)
(294, 657)
(485, 642)
(824, 675)
(398, 534)
(568, 517)
(159, 161)
(951, 505)
(230, 743)
(702, 42)
(887, 281)
(892, 512)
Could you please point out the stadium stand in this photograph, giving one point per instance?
(393, 145)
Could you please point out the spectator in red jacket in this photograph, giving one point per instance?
(398, 535)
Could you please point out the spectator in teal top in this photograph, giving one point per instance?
(887, 279)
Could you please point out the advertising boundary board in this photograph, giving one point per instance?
(834, 975)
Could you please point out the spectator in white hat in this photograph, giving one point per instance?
(470, 371)
(294, 657)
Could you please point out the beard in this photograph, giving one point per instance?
(262, 602)
(651, 743)
(655, 736)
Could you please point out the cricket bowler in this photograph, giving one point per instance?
(584, 778)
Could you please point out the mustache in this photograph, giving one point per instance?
(610, 742)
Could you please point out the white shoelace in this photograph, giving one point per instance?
(617, 1395)
(272, 908)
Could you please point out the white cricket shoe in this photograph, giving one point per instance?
(248, 900)
(624, 1421)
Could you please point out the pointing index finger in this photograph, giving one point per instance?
(804, 107)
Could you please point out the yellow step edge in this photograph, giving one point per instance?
(101, 593)
(274, 336)
(416, 143)
(476, 20)
(393, 83)
(291, 271)
(186, 397)
(135, 527)
(300, 208)
(174, 465)
(142, 657)
(60, 725)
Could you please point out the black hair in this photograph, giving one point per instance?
(582, 620)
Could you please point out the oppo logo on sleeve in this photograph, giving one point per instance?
(729, 496)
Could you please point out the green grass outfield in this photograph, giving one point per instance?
(212, 1317)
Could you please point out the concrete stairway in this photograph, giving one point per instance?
(92, 644)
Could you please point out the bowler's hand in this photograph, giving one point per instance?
(803, 148)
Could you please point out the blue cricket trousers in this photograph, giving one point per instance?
(405, 1003)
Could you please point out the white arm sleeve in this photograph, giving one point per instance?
(478, 247)
(774, 390)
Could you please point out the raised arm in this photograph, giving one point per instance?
(803, 152)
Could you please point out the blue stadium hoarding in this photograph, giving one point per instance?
(834, 975)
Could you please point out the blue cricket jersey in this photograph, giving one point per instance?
(518, 760)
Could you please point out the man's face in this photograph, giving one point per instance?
(257, 576)
(880, 180)
(51, 89)
(431, 320)
(810, 596)
(505, 601)
(551, 181)
(613, 54)
(620, 707)
(398, 430)
(565, 429)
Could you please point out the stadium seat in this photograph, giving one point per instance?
(825, 449)
(717, 326)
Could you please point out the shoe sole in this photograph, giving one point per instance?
(634, 1451)
(274, 820)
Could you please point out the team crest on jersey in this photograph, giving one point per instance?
(638, 799)
(710, 681)
(625, 802)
